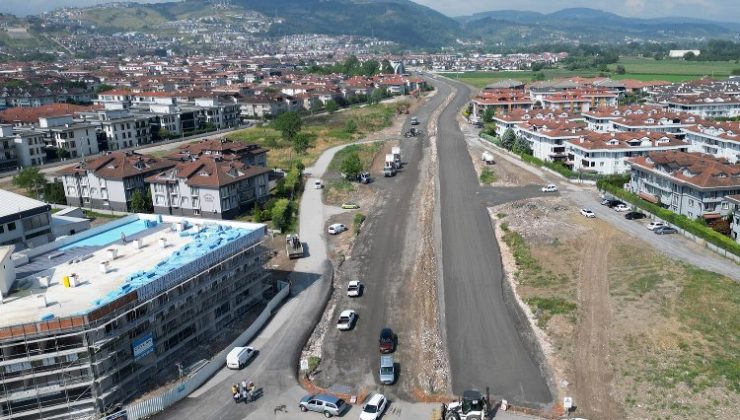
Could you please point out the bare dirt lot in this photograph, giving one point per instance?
(630, 332)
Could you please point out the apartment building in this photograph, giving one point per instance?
(248, 154)
(8, 157)
(548, 138)
(109, 182)
(90, 323)
(692, 184)
(706, 105)
(77, 139)
(501, 101)
(637, 118)
(734, 201)
(122, 128)
(209, 187)
(720, 139)
(24, 222)
(29, 146)
(512, 120)
(607, 153)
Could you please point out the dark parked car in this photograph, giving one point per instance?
(664, 230)
(387, 341)
(634, 215)
(613, 203)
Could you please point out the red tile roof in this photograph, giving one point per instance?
(209, 173)
(119, 165)
(32, 115)
(699, 170)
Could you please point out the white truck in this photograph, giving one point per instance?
(390, 167)
(396, 152)
(487, 157)
(239, 356)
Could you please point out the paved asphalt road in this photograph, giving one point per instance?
(484, 346)
(274, 368)
(381, 259)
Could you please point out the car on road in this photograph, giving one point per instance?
(654, 225)
(350, 205)
(550, 188)
(622, 207)
(387, 342)
(354, 288)
(664, 230)
(588, 213)
(328, 405)
(634, 215)
(364, 178)
(347, 320)
(374, 407)
(238, 357)
(387, 373)
(414, 121)
(336, 229)
(317, 184)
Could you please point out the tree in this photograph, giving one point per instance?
(736, 72)
(620, 69)
(291, 182)
(30, 179)
(507, 140)
(331, 106)
(289, 124)
(54, 193)
(62, 153)
(282, 214)
(351, 166)
(301, 142)
(689, 56)
(377, 95)
(350, 126)
(370, 68)
(141, 203)
(521, 146)
(488, 115)
(539, 76)
(387, 68)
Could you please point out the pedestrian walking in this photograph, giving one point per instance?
(250, 389)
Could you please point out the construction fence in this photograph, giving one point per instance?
(151, 406)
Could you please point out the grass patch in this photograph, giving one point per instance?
(97, 215)
(645, 283)
(366, 152)
(313, 363)
(325, 131)
(357, 222)
(529, 271)
(487, 176)
(546, 308)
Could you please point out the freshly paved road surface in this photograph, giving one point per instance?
(484, 346)
(381, 259)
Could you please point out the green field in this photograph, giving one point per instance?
(645, 69)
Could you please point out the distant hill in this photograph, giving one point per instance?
(402, 21)
(589, 25)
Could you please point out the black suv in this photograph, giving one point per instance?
(634, 215)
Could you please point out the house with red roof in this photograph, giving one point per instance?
(720, 139)
(691, 184)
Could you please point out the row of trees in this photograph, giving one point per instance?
(33, 181)
(353, 67)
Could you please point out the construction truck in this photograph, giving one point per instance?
(472, 406)
(390, 167)
(396, 152)
(293, 246)
(487, 157)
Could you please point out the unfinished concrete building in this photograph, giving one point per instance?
(89, 321)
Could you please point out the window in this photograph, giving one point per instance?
(11, 226)
(691, 203)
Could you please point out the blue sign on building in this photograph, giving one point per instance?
(143, 346)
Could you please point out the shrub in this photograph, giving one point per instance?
(358, 221)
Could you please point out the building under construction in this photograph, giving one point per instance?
(88, 321)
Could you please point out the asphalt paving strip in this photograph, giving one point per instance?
(485, 347)
(380, 260)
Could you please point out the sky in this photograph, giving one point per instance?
(724, 10)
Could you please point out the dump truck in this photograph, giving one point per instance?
(390, 167)
(396, 152)
(293, 246)
(487, 157)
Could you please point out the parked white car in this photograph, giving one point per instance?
(550, 188)
(347, 320)
(337, 228)
(653, 225)
(354, 288)
(374, 407)
(622, 207)
(317, 184)
(239, 356)
(588, 213)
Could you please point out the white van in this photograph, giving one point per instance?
(239, 356)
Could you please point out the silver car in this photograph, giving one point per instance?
(328, 405)
(387, 373)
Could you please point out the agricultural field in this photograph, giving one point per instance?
(645, 69)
